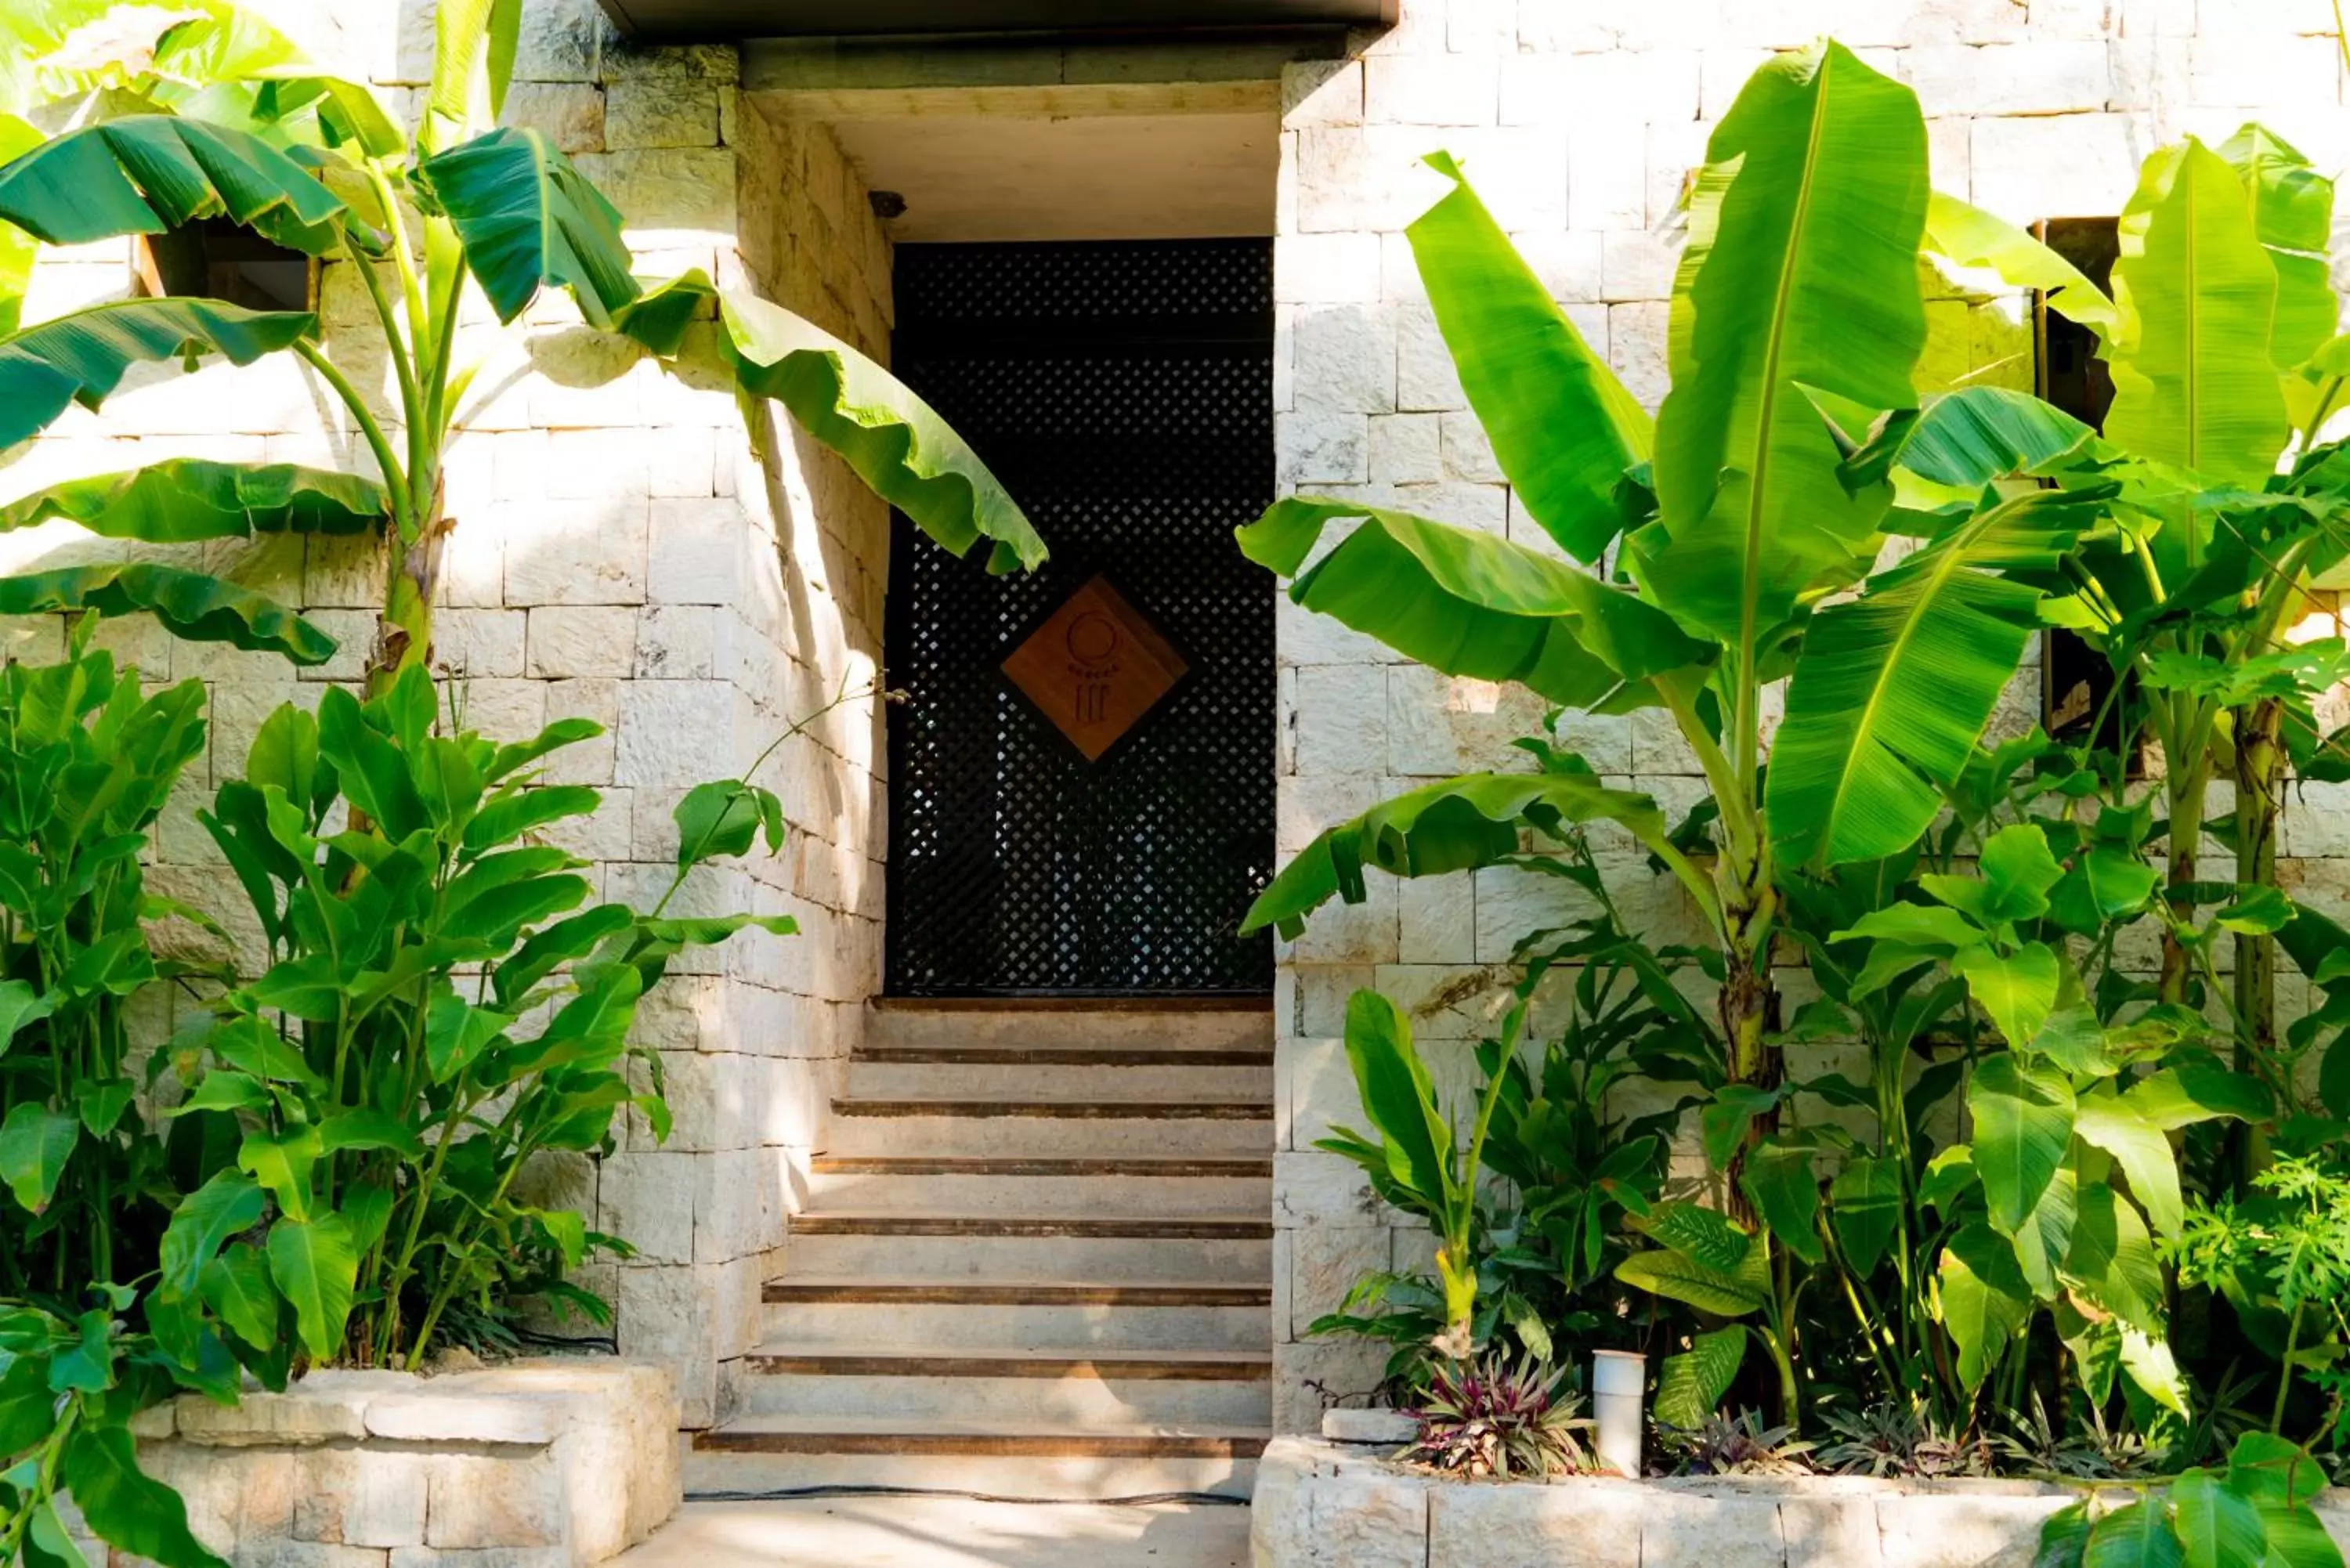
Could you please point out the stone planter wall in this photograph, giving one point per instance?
(556, 1463)
(1330, 1505)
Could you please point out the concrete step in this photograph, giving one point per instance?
(890, 1072)
(1178, 1025)
(1227, 1249)
(1138, 1185)
(1101, 1316)
(756, 1455)
(1033, 1128)
(1081, 1386)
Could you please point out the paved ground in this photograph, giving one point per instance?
(948, 1532)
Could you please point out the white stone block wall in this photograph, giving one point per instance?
(622, 554)
(1578, 121)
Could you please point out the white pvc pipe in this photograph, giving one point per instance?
(1619, 1382)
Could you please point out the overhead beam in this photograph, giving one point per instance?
(706, 21)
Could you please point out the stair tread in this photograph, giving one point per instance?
(1097, 1105)
(1160, 1165)
(896, 1425)
(1083, 1355)
(812, 1218)
(796, 1283)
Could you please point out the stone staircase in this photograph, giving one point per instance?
(1037, 1261)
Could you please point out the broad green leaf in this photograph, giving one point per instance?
(1894, 687)
(2045, 1240)
(1468, 603)
(2112, 1257)
(282, 1162)
(502, 821)
(369, 766)
(2181, 1096)
(2149, 1363)
(2105, 884)
(1692, 1384)
(315, 1264)
(2135, 1535)
(554, 738)
(347, 112)
(124, 1506)
(2193, 383)
(530, 221)
(1801, 272)
(1452, 826)
(2016, 991)
(658, 318)
(81, 357)
(236, 1286)
(205, 1219)
(892, 438)
(2292, 211)
(190, 604)
(2218, 1527)
(473, 45)
(1984, 1301)
(1704, 1234)
(2063, 1537)
(20, 1004)
(456, 1031)
(188, 499)
(368, 1127)
(285, 754)
(1562, 426)
(148, 173)
(2023, 1125)
(1779, 1181)
(35, 1141)
(717, 819)
(1679, 1277)
(1864, 1205)
(1723, 1123)
(1926, 926)
(2112, 1123)
(2275, 1472)
(1973, 238)
(1970, 437)
(18, 248)
(1398, 1097)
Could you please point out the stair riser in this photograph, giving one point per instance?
(1046, 1137)
(1057, 1081)
(1074, 1478)
(1041, 1195)
(814, 1325)
(1077, 1402)
(1114, 1259)
(1193, 1030)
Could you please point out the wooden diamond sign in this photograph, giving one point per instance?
(1095, 667)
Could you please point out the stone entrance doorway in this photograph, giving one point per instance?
(1082, 774)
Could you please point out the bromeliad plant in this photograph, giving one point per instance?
(422, 220)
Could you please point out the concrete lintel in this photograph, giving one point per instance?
(842, 66)
(1087, 100)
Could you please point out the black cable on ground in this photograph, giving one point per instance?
(802, 1493)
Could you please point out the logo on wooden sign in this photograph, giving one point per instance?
(1095, 667)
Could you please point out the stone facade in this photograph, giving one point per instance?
(623, 553)
(1579, 121)
(559, 1463)
(1332, 1505)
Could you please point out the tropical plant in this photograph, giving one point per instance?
(1738, 1445)
(1499, 1419)
(316, 164)
(1734, 523)
(1904, 1439)
(2256, 1509)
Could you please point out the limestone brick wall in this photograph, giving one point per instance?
(623, 551)
(1579, 121)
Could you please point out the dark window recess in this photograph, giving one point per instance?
(213, 258)
(1123, 392)
(2076, 680)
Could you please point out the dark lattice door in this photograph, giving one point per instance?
(1123, 393)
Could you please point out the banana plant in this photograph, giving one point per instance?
(1726, 537)
(420, 218)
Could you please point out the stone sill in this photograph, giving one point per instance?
(559, 1462)
(1334, 1505)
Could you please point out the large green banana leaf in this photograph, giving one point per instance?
(2293, 212)
(1967, 438)
(81, 357)
(190, 605)
(1894, 687)
(902, 451)
(150, 173)
(187, 499)
(347, 112)
(1801, 274)
(1468, 603)
(1457, 825)
(2194, 385)
(473, 44)
(530, 221)
(18, 248)
(1972, 237)
(1562, 426)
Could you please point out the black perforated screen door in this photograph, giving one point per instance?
(1123, 392)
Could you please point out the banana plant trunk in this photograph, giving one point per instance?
(1748, 1006)
(2186, 808)
(2259, 776)
(411, 585)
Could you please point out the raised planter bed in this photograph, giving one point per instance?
(1332, 1505)
(556, 1463)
